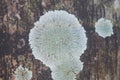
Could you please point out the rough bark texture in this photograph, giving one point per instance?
(101, 58)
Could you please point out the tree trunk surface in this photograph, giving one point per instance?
(101, 58)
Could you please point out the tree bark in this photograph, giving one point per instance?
(101, 58)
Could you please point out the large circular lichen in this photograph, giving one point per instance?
(58, 40)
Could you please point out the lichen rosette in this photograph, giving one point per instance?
(58, 39)
(104, 27)
(22, 73)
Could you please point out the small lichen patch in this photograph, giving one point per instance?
(104, 27)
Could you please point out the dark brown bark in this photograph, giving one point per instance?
(101, 58)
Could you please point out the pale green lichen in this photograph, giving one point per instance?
(104, 27)
(58, 39)
(22, 73)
